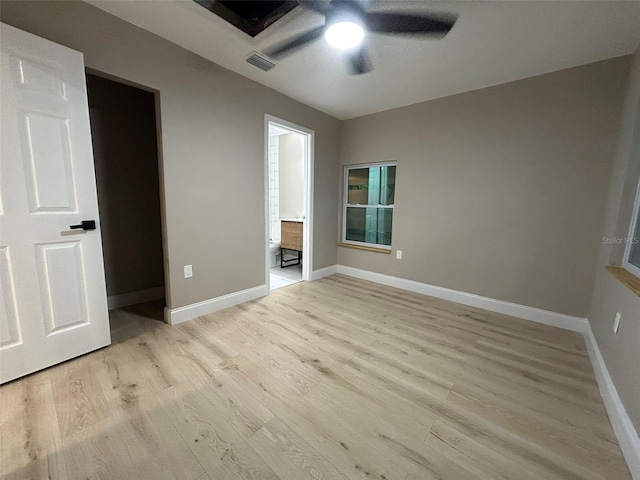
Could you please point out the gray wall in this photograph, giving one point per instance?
(291, 170)
(123, 130)
(212, 129)
(500, 192)
(621, 352)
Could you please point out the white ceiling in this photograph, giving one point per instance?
(493, 42)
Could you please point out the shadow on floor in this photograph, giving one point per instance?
(126, 322)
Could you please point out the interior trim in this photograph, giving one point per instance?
(363, 247)
(309, 173)
(324, 272)
(568, 322)
(620, 421)
(133, 298)
(181, 314)
(625, 277)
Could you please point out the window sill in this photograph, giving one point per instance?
(625, 277)
(368, 249)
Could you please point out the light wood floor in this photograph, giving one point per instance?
(335, 379)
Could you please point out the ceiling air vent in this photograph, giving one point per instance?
(261, 61)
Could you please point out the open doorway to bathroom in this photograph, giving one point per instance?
(288, 174)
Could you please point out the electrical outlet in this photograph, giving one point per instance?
(398, 254)
(188, 271)
(616, 322)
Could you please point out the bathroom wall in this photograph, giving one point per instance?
(274, 189)
(291, 160)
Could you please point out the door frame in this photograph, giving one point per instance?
(161, 176)
(307, 231)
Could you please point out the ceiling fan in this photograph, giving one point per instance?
(347, 23)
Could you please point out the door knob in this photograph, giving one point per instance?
(85, 225)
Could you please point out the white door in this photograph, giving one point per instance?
(53, 304)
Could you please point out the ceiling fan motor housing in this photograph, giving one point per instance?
(347, 23)
(345, 12)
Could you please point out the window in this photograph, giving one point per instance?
(632, 252)
(368, 204)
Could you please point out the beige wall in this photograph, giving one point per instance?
(291, 170)
(123, 130)
(621, 352)
(500, 192)
(212, 128)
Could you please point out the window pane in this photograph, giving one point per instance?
(358, 186)
(634, 256)
(387, 185)
(369, 225)
(372, 186)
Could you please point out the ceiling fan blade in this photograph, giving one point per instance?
(315, 5)
(359, 62)
(402, 23)
(289, 46)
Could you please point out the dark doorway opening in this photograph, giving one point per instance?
(125, 149)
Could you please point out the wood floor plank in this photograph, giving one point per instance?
(335, 379)
(584, 397)
(367, 417)
(155, 449)
(195, 361)
(157, 370)
(260, 350)
(130, 445)
(290, 455)
(564, 416)
(30, 443)
(100, 451)
(245, 413)
(219, 448)
(462, 449)
(396, 304)
(351, 454)
(469, 421)
(453, 320)
(117, 374)
(510, 356)
(78, 396)
(583, 453)
(215, 348)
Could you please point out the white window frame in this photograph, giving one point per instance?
(629, 240)
(345, 205)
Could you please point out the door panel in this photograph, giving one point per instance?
(53, 300)
(48, 163)
(36, 76)
(61, 276)
(9, 321)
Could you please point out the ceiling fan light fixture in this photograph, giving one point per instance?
(344, 35)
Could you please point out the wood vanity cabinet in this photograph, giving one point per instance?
(291, 235)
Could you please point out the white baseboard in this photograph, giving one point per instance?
(195, 310)
(622, 426)
(133, 298)
(554, 319)
(324, 272)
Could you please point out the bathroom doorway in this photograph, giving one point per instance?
(288, 212)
